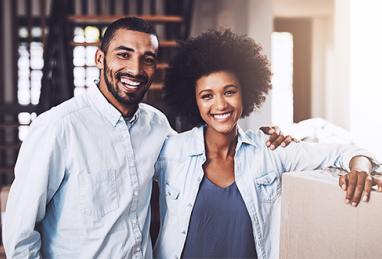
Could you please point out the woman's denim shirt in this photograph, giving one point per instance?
(258, 173)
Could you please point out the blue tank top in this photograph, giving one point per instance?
(220, 226)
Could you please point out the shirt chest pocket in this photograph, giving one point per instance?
(268, 186)
(98, 192)
(172, 195)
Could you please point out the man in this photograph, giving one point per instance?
(83, 176)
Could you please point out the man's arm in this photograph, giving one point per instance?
(39, 171)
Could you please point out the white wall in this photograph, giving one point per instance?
(322, 45)
(338, 92)
(365, 74)
(260, 27)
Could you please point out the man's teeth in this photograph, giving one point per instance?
(129, 82)
(222, 116)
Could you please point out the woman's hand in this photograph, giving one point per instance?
(358, 185)
(276, 137)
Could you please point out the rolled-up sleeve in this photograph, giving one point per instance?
(39, 171)
(308, 156)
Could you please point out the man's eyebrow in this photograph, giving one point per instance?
(124, 48)
(149, 53)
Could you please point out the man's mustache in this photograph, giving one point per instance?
(140, 77)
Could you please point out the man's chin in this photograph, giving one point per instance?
(130, 100)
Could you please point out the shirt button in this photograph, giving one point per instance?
(189, 205)
(135, 193)
(199, 179)
(184, 232)
(138, 250)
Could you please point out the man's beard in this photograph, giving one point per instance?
(131, 98)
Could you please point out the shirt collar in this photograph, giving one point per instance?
(244, 138)
(107, 110)
(197, 140)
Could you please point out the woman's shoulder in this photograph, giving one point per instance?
(257, 137)
(182, 144)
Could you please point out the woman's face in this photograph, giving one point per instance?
(218, 97)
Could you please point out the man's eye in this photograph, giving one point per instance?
(149, 61)
(123, 55)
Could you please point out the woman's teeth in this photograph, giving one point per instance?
(222, 116)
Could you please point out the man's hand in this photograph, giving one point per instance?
(276, 137)
(357, 185)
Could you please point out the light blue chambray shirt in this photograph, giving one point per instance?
(258, 173)
(83, 182)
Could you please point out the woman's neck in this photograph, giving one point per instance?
(220, 145)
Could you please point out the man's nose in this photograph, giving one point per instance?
(134, 67)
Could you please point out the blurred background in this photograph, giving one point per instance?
(325, 54)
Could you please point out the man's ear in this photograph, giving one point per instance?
(99, 58)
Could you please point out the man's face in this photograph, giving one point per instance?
(129, 65)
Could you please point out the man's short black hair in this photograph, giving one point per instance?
(127, 23)
(210, 52)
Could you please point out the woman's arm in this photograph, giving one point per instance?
(358, 182)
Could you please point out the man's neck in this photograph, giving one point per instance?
(125, 110)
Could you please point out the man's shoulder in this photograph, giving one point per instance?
(155, 118)
(67, 108)
(152, 112)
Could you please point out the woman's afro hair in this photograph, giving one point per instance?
(210, 52)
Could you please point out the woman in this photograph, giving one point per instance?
(220, 186)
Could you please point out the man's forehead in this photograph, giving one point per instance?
(135, 39)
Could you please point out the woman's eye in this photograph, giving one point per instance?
(206, 96)
(229, 93)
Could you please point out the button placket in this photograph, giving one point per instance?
(134, 183)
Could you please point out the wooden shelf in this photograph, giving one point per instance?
(6, 169)
(9, 125)
(9, 146)
(162, 66)
(156, 87)
(103, 19)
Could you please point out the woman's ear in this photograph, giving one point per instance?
(99, 58)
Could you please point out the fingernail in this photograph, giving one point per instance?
(283, 144)
(268, 143)
(380, 188)
(343, 187)
(347, 201)
(364, 198)
(354, 204)
(272, 146)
